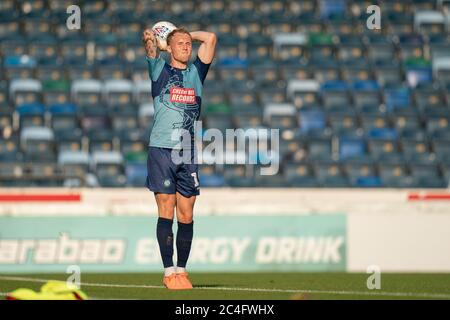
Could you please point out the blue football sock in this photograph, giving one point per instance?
(184, 240)
(164, 235)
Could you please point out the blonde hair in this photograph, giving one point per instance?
(178, 30)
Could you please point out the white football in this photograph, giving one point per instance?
(161, 30)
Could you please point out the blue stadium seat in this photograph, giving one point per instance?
(43, 48)
(132, 140)
(325, 69)
(55, 91)
(111, 68)
(395, 176)
(319, 149)
(350, 48)
(249, 23)
(417, 152)
(86, 92)
(63, 117)
(109, 168)
(259, 49)
(142, 92)
(123, 119)
(9, 150)
(357, 69)
(265, 76)
(280, 115)
(382, 133)
(302, 72)
(438, 126)
(446, 175)
(312, 122)
(272, 95)
(209, 176)
(235, 78)
(9, 24)
(441, 148)
(386, 150)
(68, 140)
(322, 45)
(427, 95)
(145, 115)
(12, 175)
(78, 70)
(365, 92)
(233, 62)
(13, 45)
(411, 45)
(19, 67)
(299, 175)
(351, 148)
(38, 145)
(45, 174)
(330, 175)
(220, 122)
(346, 122)
(247, 120)
(380, 48)
(279, 22)
(369, 122)
(439, 50)
(441, 66)
(397, 98)
(331, 8)
(427, 176)
(402, 123)
(94, 121)
(118, 93)
(362, 175)
(290, 48)
(289, 144)
(136, 174)
(308, 21)
(100, 140)
(238, 176)
(25, 91)
(435, 111)
(388, 72)
(73, 50)
(303, 93)
(335, 93)
(31, 115)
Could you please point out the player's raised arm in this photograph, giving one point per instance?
(149, 40)
(208, 46)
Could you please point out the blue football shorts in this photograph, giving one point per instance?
(166, 176)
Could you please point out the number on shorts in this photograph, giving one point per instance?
(194, 174)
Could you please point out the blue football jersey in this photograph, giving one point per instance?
(177, 101)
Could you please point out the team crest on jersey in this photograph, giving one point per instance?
(166, 183)
(182, 95)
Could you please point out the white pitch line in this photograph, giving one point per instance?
(363, 293)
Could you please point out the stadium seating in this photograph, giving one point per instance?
(354, 107)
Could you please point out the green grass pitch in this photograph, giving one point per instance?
(248, 286)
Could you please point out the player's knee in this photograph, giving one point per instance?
(184, 216)
(166, 205)
(166, 213)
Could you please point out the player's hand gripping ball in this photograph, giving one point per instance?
(161, 30)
